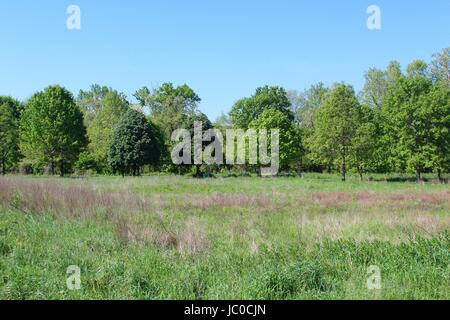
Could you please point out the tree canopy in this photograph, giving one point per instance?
(246, 110)
(398, 122)
(9, 138)
(52, 130)
(133, 144)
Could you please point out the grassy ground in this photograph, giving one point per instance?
(226, 238)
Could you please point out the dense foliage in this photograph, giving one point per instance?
(52, 132)
(399, 122)
(133, 144)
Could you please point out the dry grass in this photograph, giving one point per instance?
(140, 218)
(67, 200)
(394, 200)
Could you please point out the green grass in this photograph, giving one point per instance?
(226, 238)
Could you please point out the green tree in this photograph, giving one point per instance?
(305, 103)
(440, 67)
(377, 84)
(290, 145)
(9, 138)
(246, 110)
(223, 122)
(374, 88)
(15, 105)
(418, 68)
(304, 106)
(114, 106)
(436, 116)
(393, 72)
(52, 130)
(189, 125)
(416, 117)
(91, 101)
(336, 124)
(133, 144)
(169, 107)
(364, 142)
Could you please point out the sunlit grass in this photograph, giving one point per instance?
(168, 237)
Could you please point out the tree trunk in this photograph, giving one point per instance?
(52, 168)
(3, 168)
(360, 171)
(344, 167)
(61, 168)
(197, 171)
(418, 175)
(440, 176)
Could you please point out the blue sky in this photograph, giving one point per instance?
(222, 49)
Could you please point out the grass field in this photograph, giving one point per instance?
(169, 237)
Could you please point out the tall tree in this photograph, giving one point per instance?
(305, 103)
(246, 110)
(9, 138)
(364, 142)
(91, 101)
(377, 83)
(436, 115)
(189, 124)
(133, 144)
(393, 72)
(114, 106)
(52, 130)
(290, 145)
(375, 87)
(15, 105)
(440, 67)
(223, 122)
(169, 107)
(416, 121)
(336, 124)
(418, 68)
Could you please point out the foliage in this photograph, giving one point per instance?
(113, 107)
(364, 142)
(246, 110)
(91, 101)
(304, 104)
(133, 144)
(170, 108)
(399, 123)
(336, 124)
(290, 146)
(9, 138)
(377, 84)
(15, 105)
(440, 67)
(416, 122)
(52, 130)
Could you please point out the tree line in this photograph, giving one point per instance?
(399, 122)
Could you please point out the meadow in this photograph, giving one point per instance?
(174, 237)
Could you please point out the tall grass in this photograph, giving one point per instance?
(236, 238)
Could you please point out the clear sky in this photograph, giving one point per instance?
(222, 49)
